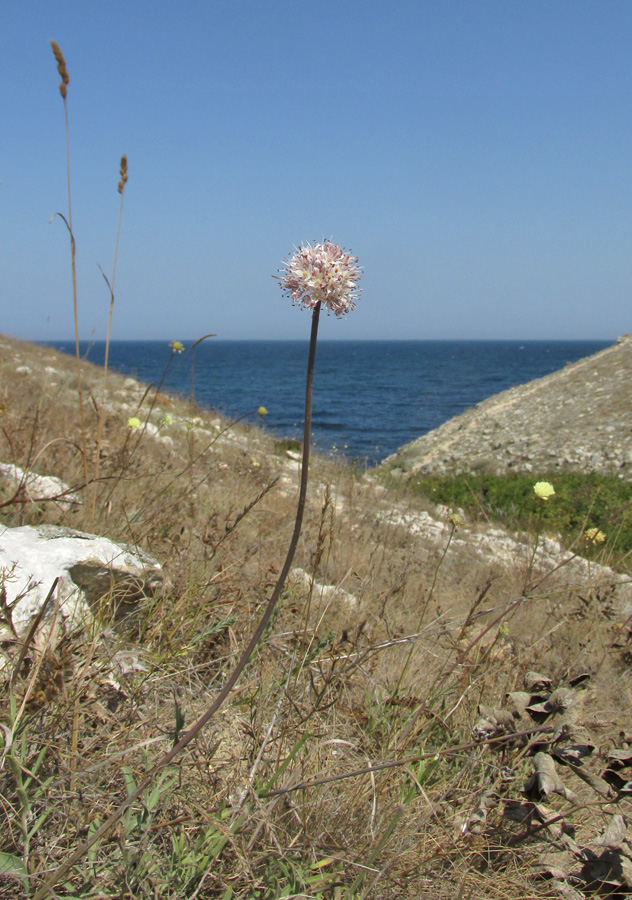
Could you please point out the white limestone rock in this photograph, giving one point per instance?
(89, 568)
(299, 578)
(40, 487)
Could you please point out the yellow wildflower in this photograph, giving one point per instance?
(177, 347)
(543, 490)
(595, 536)
(133, 422)
(262, 411)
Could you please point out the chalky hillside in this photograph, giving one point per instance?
(440, 706)
(579, 418)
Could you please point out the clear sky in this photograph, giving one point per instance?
(475, 154)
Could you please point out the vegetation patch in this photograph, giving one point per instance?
(581, 503)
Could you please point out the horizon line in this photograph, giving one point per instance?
(91, 340)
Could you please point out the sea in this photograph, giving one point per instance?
(370, 397)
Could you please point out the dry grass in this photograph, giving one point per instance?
(393, 667)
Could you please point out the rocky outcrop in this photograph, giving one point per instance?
(497, 547)
(39, 487)
(88, 568)
(579, 418)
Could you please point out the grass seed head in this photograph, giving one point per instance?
(123, 174)
(61, 68)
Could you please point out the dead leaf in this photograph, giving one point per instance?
(535, 683)
(611, 868)
(615, 833)
(545, 780)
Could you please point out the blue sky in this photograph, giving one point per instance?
(475, 154)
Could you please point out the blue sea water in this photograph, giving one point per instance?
(370, 397)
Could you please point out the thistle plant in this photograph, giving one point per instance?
(314, 276)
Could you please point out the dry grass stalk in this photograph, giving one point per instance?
(61, 68)
(123, 174)
(110, 284)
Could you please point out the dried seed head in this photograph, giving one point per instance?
(123, 174)
(61, 68)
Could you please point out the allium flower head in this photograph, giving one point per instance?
(134, 422)
(262, 411)
(322, 273)
(177, 347)
(543, 490)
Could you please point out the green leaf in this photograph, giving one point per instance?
(12, 865)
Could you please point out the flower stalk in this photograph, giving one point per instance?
(317, 276)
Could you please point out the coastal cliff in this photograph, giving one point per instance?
(578, 418)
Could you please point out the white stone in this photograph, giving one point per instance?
(327, 592)
(40, 487)
(89, 568)
(493, 545)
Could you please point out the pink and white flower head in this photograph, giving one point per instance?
(322, 273)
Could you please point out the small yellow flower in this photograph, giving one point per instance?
(262, 411)
(595, 536)
(177, 347)
(543, 490)
(166, 419)
(133, 422)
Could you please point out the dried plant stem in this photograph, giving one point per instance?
(535, 549)
(61, 68)
(46, 890)
(73, 263)
(110, 285)
(423, 611)
(126, 464)
(498, 739)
